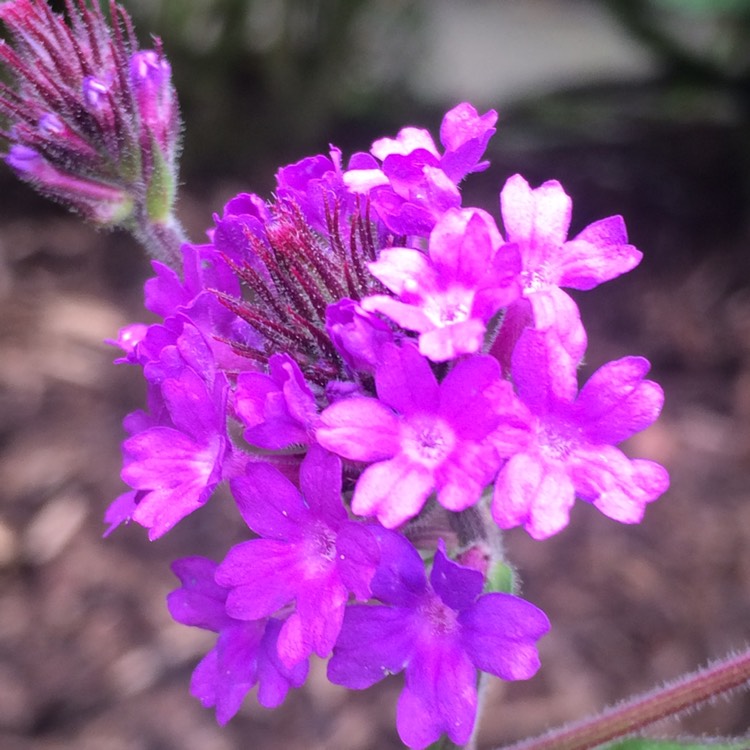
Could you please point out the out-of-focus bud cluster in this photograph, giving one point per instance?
(92, 121)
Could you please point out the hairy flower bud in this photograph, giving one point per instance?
(92, 121)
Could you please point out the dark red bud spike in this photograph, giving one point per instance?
(257, 285)
(356, 261)
(90, 21)
(318, 303)
(279, 333)
(61, 32)
(334, 234)
(320, 336)
(256, 355)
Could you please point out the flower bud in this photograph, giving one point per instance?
(93, 121)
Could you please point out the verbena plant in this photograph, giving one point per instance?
(382, 377)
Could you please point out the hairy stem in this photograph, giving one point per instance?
(632, 715)
(162, 240)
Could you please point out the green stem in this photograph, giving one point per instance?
(633, 715)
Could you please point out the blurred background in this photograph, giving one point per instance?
(638, 107)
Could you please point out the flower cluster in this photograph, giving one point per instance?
(372, 367)
(382, 377)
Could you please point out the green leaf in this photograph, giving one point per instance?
(649, 744)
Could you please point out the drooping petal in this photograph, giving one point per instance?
(394, 491)
(599, 253)
(499, 633)
(360, 429)
(457, 585)
(617, 401)
(439, 696)
(268, 502)
(532, 493)
(374, 642)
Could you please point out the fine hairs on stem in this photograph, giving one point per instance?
(676, 697)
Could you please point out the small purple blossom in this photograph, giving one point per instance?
(571, 451)
(245, 652)
(415, 184)
(177, 465)
(278, 409)
(357, 334)
(420, 436)
(449, 295)
(310, 555)
(439, 633)
(537, 221)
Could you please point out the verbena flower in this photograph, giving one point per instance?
(422, 436)
(439, 632)
(537, 222)
(449, 294)
(409, 182)
(245, 653)
(571, 451)
(309, 555)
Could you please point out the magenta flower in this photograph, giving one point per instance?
(277, 409)
(420, 436)
(245, 652)
(571, 451)
(450, 294)
(537, 221)
(177, 463)
(415, 184)
(439, 633)
(358, 335)
(308, 559)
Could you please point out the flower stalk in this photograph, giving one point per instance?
(631, 716)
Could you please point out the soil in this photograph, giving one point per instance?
(89, 658)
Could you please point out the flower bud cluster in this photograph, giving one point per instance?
(377, 371)
(92, 121)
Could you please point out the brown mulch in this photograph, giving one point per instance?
(89, 658)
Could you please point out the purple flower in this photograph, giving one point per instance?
(245, 652)
(439, 633)
(310, 555)
(277, 409)
(415, 184)
(421, 436)
(177, 464)
(537, 221)
(358, 335)
(449, 295)
(571, 451)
